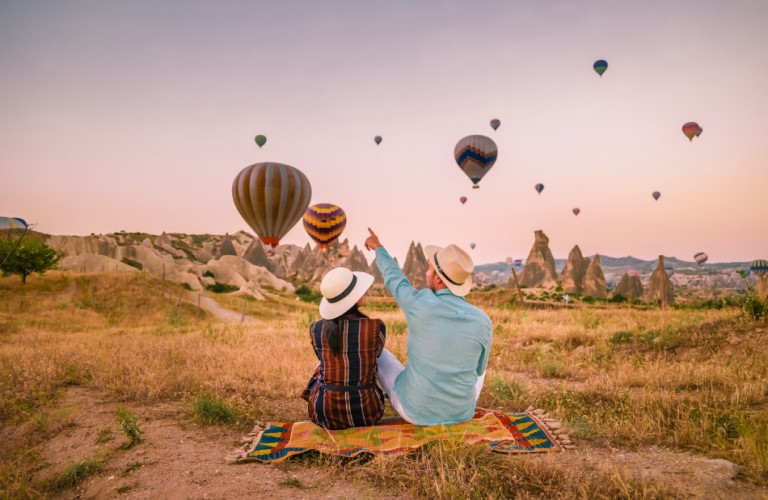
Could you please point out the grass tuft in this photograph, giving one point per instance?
(211, 410)
(75, 473)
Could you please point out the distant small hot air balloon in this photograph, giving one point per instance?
(518, 263)
(700, 258)
(539, 188)
(377, 140)
(261, 140)
(475, 155)
(472, 246)
(698, 132)
(463, 200)
(495, 123)
(509, 261)
(600, 66)
(759, 267)
(576, 211)
(656, 195)
(691, 130)
(324, 223)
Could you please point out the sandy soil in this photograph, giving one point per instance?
(180, 459)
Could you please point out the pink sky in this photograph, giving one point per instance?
(137, 116)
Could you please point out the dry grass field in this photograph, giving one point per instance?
(108, 388)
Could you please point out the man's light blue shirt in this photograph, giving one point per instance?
(448, 345)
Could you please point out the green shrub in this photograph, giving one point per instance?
(222, 288)
(306, 294)
(129, 422)
(212, 410)
(133, 263)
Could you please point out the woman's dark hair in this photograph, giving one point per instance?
(333, 328)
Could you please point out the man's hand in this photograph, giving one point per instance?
(372, 242)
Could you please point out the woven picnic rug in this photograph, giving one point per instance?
(528, 432)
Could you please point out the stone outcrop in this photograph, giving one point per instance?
(572, 277)
(378, 279)
(256, 255)
(659, 286)
(630, 287)
(236, 271)
(415, 267)
(226, 248)
(539, 270)
(312, 264)
(594, 280)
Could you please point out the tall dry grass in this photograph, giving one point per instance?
(617, 376)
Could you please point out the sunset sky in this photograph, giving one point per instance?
(137, 115)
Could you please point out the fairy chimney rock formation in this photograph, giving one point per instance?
(415, 267)
(539, 271)
(378, 278)
(357, 261)
(226, 247)
(630, 287)
(659, 287)
(256, 255)
(572, 278)
(594, 280)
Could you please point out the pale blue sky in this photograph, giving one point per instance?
(138, 115)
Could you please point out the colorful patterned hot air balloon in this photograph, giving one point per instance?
(539, 188)
(690, 130)
(656, 195)
(495, 123)
(377, 140)
(12, 223)
(324, 223)
(700, 258)
(271, 197)
(759, 267)
(475, 155)
(261, 140)
(463, 200)
(518, 263)
(600, 66)
(576, 211)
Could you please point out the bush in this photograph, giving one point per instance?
(133, 263)
(222, 288)
(212, 410)
(306, 294)
(26, 256)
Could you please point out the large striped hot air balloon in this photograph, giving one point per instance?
(475, 155)
(324, 223)
(600, 66)
(759, 267)
(12, 223)
(700, 258)
(271, 197)
(691, 130)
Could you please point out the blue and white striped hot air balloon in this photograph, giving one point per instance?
(12, 223)
(475, 155)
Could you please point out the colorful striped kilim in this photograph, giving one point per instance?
(504, 432)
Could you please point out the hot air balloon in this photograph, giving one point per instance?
(261, 140)
(495, 123)
(518, 263)
(759, 267)
(698, 132)
(539, 188)
(472, 246)
(509, 261)
(690, 130)
(600, 67)
(463, 200)
(324, 223)
(12, 223)
(271, 197)
(700, 258)
(377, 140)
(576, 211)
(656, 195)
(475, 155)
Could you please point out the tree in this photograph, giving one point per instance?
(29, 256)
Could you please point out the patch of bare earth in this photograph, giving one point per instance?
(178, 458)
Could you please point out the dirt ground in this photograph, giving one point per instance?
(181, 459)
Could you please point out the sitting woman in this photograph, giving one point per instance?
(343, 392)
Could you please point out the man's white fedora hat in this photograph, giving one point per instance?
(341, 289)
(453, 265)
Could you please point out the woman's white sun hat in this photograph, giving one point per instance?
(341, 289)
(453, 265)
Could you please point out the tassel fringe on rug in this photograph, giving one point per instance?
(532, 431)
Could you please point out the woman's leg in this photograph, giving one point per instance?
(389, 367)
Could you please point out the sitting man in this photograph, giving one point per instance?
(449, 340)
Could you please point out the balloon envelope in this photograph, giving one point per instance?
(495, 123)
(539, 188)
(260, 140)
(472, 246)
(576, 211)
(324, 223)
(377, 140)
(698, 132)
(690, 129)
(475, 155)
(600, 66)
(656, 195)
(12, 223)
(518, 263)
(463, 200)
(700, 258)
(271, 197)
(759, 267)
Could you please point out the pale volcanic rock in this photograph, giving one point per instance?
(658, 285)
(572, 277)
(226, 247)
(630, 287)
(256, 255)
(415, 267)
(539, 270)
(93, 263)
(236, 271)
(594, 280)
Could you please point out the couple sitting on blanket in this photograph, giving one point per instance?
(448, 346)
